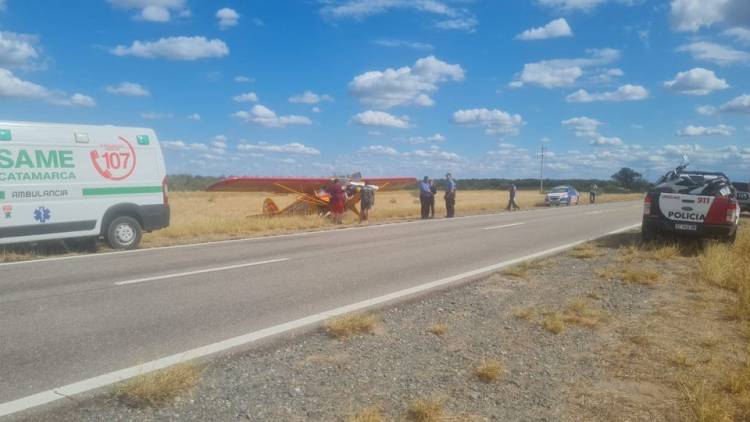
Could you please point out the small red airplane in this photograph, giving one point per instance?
(312, 197)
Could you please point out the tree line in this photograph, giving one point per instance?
(625, 180)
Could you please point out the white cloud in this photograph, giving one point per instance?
(219, 142)
(720, 130)
(247, 97)
(227, 18)
(153, 10)
(706, 110)
(264, 116)
(403, 44)
(184, 146)
(152, 115)
(586, 127)
(380, 119)
(715, 53)
(291, 148)
(18, 50)
(583, 127)
(739, 104)
(494, 122)
(309, 97)
(380, 150)
(194, 117)
(13, 87)
(406, 85)
(128, 89)
(419, 140)
(175, 48)
(571, 5)
(607, 76)
(623, 93)
(359, 9)
(603, 141)
(241, 79)
(559, 73)
(739, 34)
(466, 23)
(697, 81)
(82, 100)
(555, 29)
(434, 153)
(692, 15)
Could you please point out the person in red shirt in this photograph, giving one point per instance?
(337, 203)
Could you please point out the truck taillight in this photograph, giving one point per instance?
(647, 205)
(732, 212)
(165, 191)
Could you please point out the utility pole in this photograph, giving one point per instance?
(541, 172)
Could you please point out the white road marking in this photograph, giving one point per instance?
(49, 396)
(615, 205)
(503, 226)
(593, 212)
(207, 270)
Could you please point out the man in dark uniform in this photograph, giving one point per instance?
(425, 197)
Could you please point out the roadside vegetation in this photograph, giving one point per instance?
(160, 387)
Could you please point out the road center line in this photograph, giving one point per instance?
(79, 387)
(207, 270)
(503, 226)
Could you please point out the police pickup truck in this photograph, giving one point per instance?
(743, 195)
(692, 203)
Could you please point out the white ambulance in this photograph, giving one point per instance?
(63, 181)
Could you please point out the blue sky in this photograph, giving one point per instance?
(394, 87)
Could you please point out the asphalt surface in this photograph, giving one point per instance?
(65, 320)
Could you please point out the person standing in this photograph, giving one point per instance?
(425, 197)
(366, 202)
(450, 196)
(593, 192)
(337, 201)
(433, 190)
(512, 205)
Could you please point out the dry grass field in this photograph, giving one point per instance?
(207, 216)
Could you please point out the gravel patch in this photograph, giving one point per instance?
(545, 377)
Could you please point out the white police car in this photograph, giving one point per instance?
(562, 195)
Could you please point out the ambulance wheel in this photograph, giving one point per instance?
(124, 233)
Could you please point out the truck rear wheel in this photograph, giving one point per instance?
(648, 233)
(124, 233)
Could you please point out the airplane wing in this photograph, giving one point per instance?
(299, 185)
(391, 183)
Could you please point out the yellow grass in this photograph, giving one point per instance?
(728, 266)
(707, 405)
(554, 323)
(351, 324)
(157, 388)
(439, 329)
(586, 251)
(637, 275)
(425, 410)
(489, 370)
(370, 414)
(206, 216)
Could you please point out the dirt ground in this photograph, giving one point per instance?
(609, 331)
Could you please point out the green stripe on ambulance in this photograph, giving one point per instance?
(134, 190)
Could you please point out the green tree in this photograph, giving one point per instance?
(630, 179)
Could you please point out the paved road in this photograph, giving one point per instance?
(66, 320)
